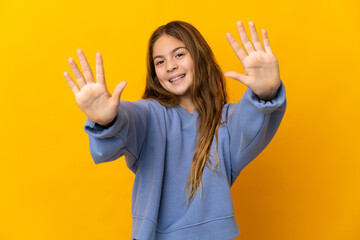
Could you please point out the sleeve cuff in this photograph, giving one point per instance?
(269, 105)
(96, 130)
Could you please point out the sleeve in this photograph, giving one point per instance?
(251, 127)
(124, 137)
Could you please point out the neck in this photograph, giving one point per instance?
(187, 104)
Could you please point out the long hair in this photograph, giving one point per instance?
(208, 93)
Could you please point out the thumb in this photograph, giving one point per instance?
(238, 76)
(118, 90)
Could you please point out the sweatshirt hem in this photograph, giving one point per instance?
(216, 229)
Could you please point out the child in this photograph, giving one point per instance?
(183, 134)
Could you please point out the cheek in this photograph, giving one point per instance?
(190, 66)
(160, 77)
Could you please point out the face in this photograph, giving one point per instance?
(174, 66)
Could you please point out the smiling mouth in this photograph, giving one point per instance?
(177, 78)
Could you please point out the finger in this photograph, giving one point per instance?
(118, 90)
(254, 37)
(71, 83)
(266, 41)
(238, 76)
(78, 75)
(236, 47)
(85, 67)
(100, 75)
(244, 38)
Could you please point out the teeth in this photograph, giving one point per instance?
(174, 79)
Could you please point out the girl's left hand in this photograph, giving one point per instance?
(261, 67)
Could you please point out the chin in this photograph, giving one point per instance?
(180, 92)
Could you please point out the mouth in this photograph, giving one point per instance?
(177, 78)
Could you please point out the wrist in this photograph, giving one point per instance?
(266, 98)
(107, 125)
(269, 96)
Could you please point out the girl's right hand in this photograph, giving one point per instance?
(93, 97)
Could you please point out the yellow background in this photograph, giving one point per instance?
(306, 183)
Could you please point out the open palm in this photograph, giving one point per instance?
(261, 66)
(93, 97)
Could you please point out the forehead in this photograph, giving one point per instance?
(165, 44)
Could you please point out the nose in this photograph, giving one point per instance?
(171, 66)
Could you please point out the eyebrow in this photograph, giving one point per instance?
(174, 50)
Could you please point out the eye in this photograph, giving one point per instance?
(159, 62)
(179, 54)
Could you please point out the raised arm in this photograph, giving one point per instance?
(257, 116)
(115, 129)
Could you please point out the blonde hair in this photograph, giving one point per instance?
(208, 93)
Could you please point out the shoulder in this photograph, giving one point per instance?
(142, 104)
(227, 110)
(151, 104)
(153, 108)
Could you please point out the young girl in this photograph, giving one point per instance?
(183, 135)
